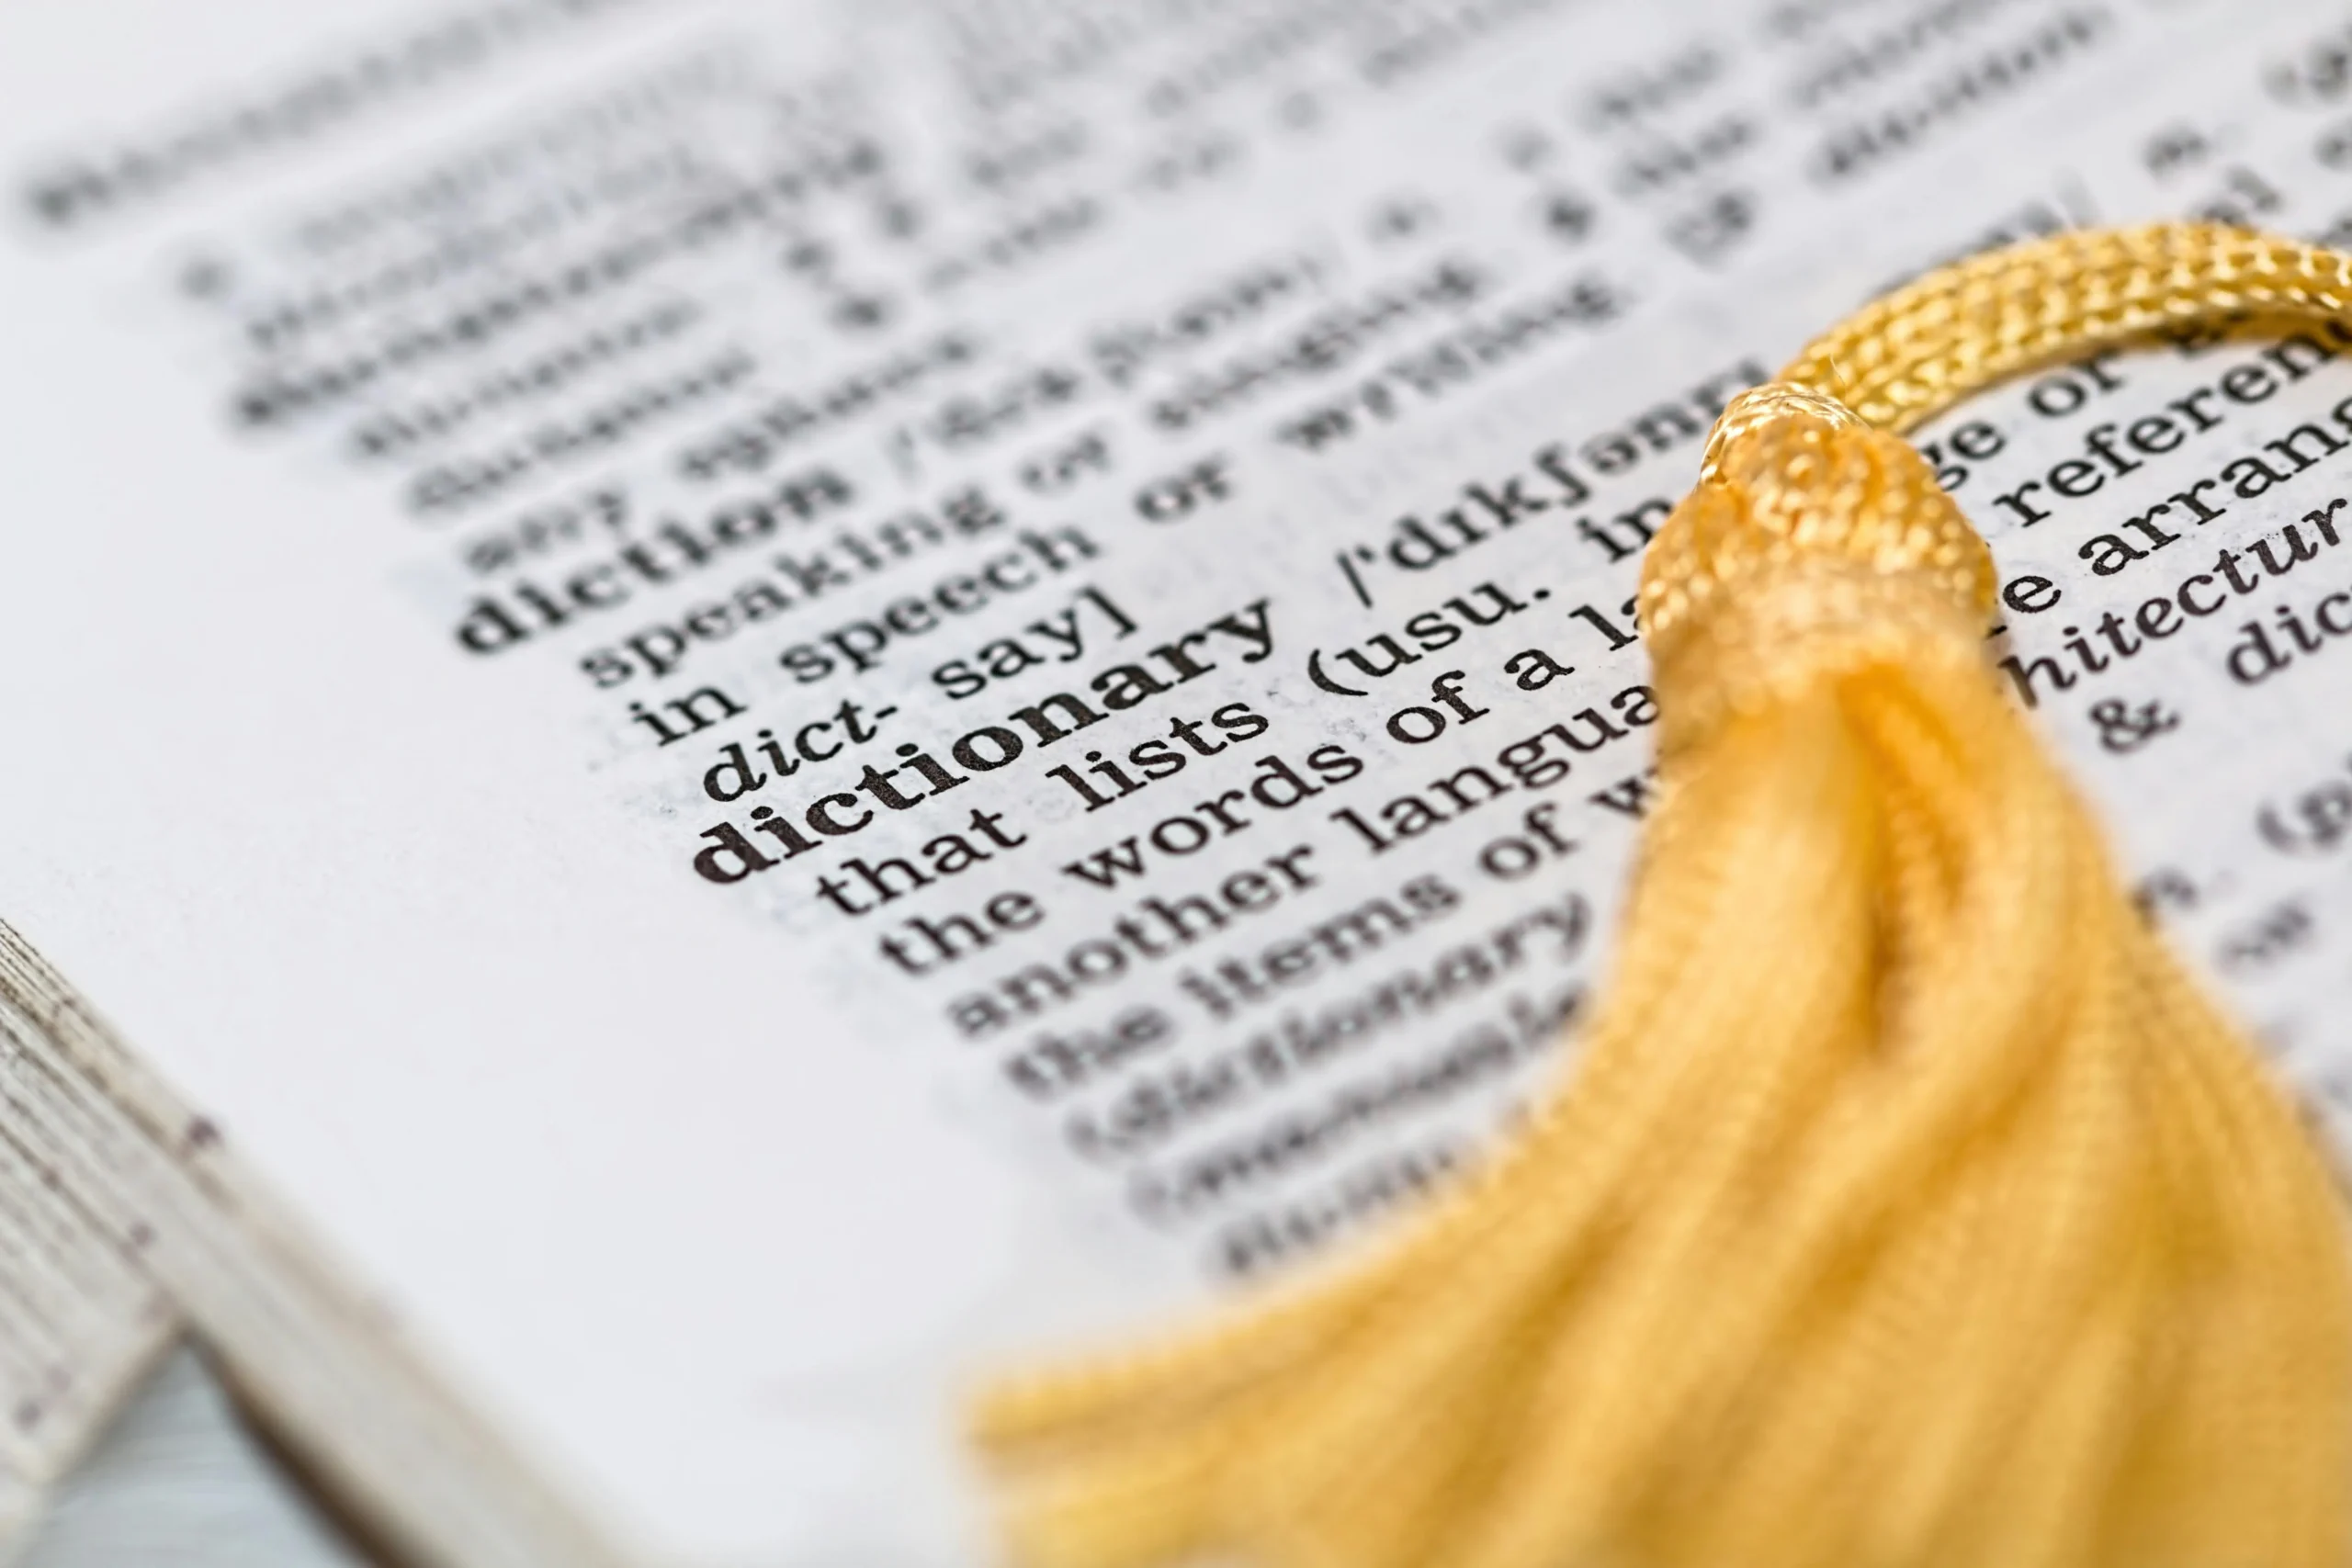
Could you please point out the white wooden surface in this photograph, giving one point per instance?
(179, 1483)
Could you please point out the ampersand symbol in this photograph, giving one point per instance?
(2123, 728)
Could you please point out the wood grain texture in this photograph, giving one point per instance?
(180, 1481)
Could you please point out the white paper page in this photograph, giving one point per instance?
(431, 493)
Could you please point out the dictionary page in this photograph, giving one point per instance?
(772, 706)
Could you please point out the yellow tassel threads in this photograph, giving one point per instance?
(1906, 1206)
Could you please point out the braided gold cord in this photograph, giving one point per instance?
(1903, 359)
(1905, 1206)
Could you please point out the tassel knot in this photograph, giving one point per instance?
(1812, 544)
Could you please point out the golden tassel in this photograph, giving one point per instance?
(1906, 1206)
